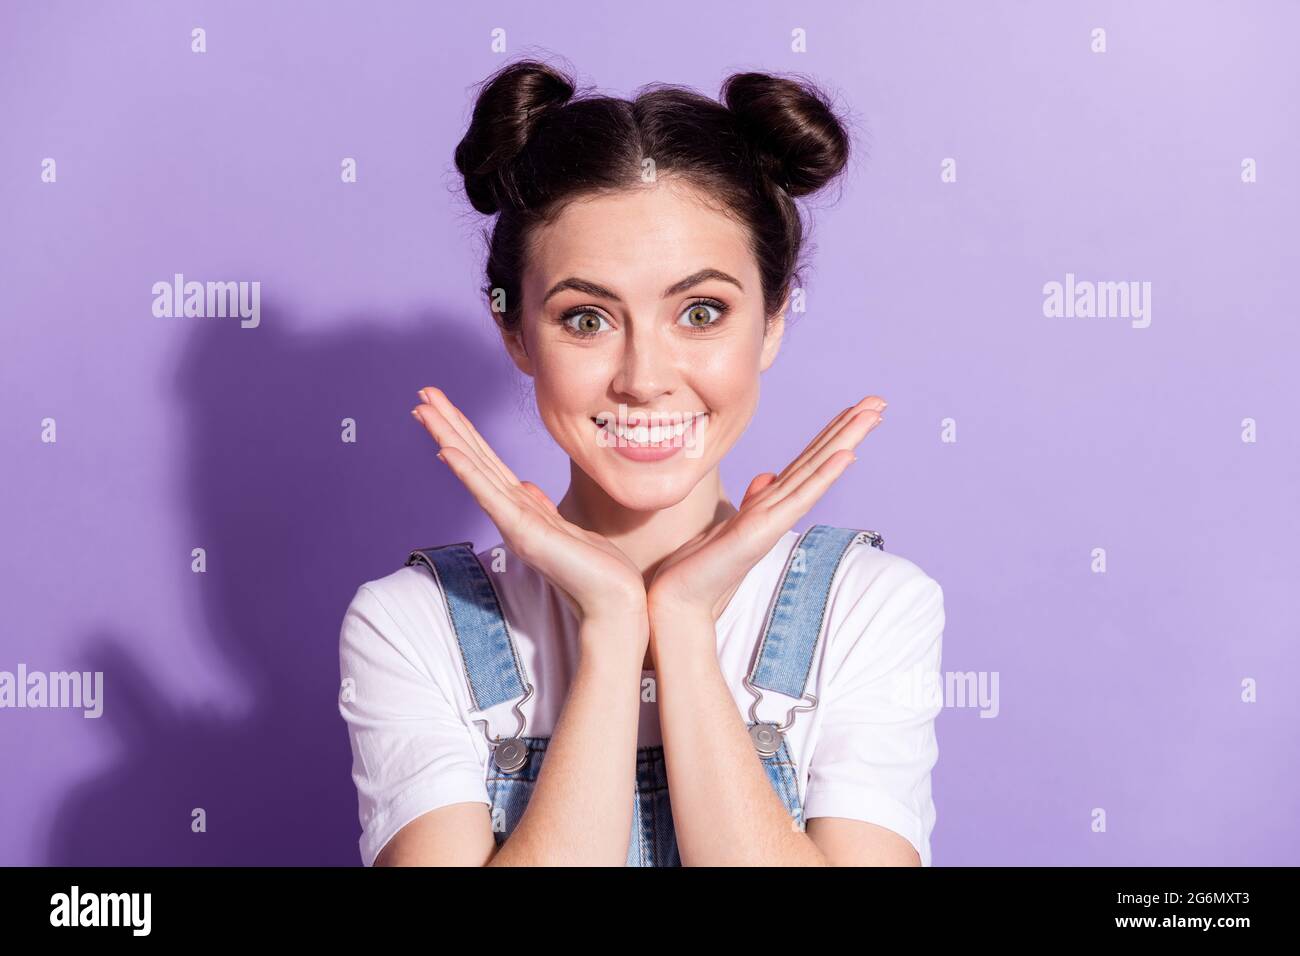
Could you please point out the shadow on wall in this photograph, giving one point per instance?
(293, 520)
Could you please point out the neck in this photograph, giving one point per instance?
(646, 537)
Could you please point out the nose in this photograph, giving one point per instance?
(648, 365)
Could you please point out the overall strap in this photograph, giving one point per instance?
(487, 650)
(796, 619)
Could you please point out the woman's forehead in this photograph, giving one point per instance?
(643, 240)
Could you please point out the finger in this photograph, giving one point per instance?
(500, 507)
(758, 484)
(438, 398)
(456, 418)
(435, 422)
(524, 495)
(817, 440)
(436, 412)
(872, 402)
(540, 496)
(442, 430)
(799, 502)
(831, 439)
(846, 439)
(548, 509)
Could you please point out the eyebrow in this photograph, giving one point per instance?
(593, 288)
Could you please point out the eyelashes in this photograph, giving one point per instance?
(720, 307)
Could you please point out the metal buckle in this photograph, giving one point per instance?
(768, 737)
(510, 753)
(873, 538)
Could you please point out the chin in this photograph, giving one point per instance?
(635, 483)
(645, 492)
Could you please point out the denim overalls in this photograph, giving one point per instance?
(782, 661)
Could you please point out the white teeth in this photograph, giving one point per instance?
(653, 435)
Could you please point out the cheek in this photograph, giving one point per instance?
(728, 374)
(566, 379)
(551, 366)
(567, 386)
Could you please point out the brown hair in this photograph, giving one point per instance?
(531, 147)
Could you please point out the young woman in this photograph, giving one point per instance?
(645, 674)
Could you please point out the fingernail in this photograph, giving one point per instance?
(441, 459)
(415, 413)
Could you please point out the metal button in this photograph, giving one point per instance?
(767, 739)
(511, 754)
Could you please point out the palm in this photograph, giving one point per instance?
(589, 570)
(705, 572)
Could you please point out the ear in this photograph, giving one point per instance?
(514, 343)
(772, 337)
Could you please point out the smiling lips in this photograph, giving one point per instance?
(673, 426)
(651, 442)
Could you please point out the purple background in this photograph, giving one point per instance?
(1118, 690)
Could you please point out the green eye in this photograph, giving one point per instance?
(698, 316)
(588, 322)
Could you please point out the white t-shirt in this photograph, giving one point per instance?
(865, 752)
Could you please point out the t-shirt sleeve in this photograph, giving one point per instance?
(411, 750)
(877, 745)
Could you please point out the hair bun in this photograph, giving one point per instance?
(511, 105)
(798, 140)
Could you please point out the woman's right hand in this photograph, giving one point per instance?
(598, 580)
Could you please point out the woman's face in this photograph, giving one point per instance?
(643, 309)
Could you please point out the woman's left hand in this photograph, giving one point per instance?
(702, 575)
